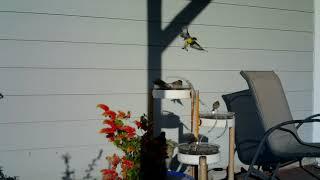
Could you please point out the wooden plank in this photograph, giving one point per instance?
(54, 28)
(243, 16)
(298, 5)
(17, 110)
(55, 55)
(72, 81)
(92, 81)
(215, 14)
(101, 7)
(24, 109)
(230, 81)
(235, 59)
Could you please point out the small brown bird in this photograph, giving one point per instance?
(163, 85)
(215, 106)
(176, 84)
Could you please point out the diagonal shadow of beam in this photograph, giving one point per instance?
(159, 40)
(185, 17)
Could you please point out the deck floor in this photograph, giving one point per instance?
(294, 173)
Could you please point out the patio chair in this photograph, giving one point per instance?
(266, 134)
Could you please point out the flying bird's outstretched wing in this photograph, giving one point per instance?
(197, 46)
(184, 33)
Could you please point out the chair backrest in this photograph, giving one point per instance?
(248, 127)
(272, 106)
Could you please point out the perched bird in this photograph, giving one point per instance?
(215, 106)
(189, 40)
(163, 85)
(167, 86)
(1, 96)
(176, 84)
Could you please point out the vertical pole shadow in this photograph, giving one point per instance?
(159, 39)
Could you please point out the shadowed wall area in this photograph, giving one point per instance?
(158, 37)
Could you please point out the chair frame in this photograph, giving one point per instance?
(309, 119)
(281, 159)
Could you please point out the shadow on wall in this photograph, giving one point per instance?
(159, 39)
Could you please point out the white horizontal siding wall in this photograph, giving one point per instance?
(58, 59)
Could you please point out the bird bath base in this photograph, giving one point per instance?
(190, 153)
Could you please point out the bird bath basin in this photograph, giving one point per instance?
(218, 119)
(190, 153)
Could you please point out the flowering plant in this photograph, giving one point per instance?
(124, 137)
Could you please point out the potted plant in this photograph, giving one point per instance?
(123, 136)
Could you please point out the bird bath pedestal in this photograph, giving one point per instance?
(190, 153)
(199, 154)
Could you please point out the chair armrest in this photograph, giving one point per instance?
(279, 126)
(310, 117)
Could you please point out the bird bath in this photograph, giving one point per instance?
(190, 153)
(218, 119)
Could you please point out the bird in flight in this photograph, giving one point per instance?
(189, 40)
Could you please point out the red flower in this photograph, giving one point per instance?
(103, 106)
(113, 124)
(130, 130)
(108, 130)
(126, 164)
(138, 124)
(109, 174)
(125, 138)
(110, 122)
(114, 161)
(110, 114)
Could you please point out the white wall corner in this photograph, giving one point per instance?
(316, 72)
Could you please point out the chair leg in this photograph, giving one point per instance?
(275, 172)
(307, 171)
(250, 169)
(255, 173)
